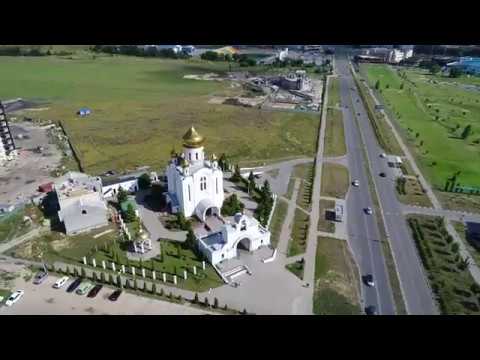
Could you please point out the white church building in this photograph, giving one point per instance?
(195, 183)
(195, 187)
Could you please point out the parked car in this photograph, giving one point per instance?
(369, 280)
(382, 174)
(356, 183)
(84, 288)
(40, 277)
(74, 285)
(371, 310)
(368, 211)
(115, 295)
(60, 282)
(383, 155)
(17, 295)
(96, 289)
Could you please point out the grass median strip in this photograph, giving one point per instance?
(334, 134)
(455, 290)
(298, 240)
(410, 191)
(336, 289)
(277, 221)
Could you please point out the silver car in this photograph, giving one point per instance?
(40, 277)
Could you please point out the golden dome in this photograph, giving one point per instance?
(192, 139)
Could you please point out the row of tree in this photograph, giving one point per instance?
(135, 50)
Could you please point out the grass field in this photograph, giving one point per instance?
(451, 282)
(410, 191)
(462, 232)
(334, 92)
(142, 107)
(277, 221)
(12, 224)
(298, 240)
(323, 223)
(335, 180)
(336, 279)
(334, 134)
(296, 268)
(433, 113)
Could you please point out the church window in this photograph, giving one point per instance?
(196, 155)
(189, 195)
(203, 183)
(189, 156)
(216, 184)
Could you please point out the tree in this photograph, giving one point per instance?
(206, 302)
(162, 292)
(215, 303)
(119, 281)
(111, 279)
(377, 85)
(417, 135)
(434, 68)
(191, 241)
(130, 215)
(121, 195)
(210, 56)
(94, 277)
(401, 86)
(102, 277)
(455, 247)
(421, 143)
(466, 132)
(154, 288)
(455, 72)
(266, 191)
(236, 174)
(135, 285)
(144, 181)
(195, 299)
(251, 182)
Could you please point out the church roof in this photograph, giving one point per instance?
(192, 138)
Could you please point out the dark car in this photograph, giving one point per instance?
(368, 279)
(75, 284)
(371, 310)
(115, 295)
(382, 174)
(95, 291)
(40, 277)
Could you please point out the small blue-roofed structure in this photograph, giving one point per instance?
(84, 111)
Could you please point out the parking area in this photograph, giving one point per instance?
(20, 178)
(45, 300)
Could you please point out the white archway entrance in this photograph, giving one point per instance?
(206, 208)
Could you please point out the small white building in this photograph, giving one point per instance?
(195, 183)
(128, 182)
(245, 232)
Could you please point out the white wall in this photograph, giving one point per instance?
(131, 186)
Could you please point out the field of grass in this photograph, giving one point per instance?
(323, 223)
(432, 114)
(142, 107)
(277, 221)
(456, 201)
(334, 134)
(455, 290)
(410, 191)
(298, 240)
(334, 92)
(335, 180)
(12, 225)
(336, 279)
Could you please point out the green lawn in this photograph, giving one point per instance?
(334, 134)
(461, 230)
(277, 221)
(296, 268)
(453, 285)
(142, 107)
(438, 112)
(298, 241)
(334, 92)
(410, 191)
(335, 180)
(336, 279)
(12, 225)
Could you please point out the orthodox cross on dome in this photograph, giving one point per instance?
(192, 139)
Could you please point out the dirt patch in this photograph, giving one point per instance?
(206, 77)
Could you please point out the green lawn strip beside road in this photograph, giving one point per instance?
(432, 115)
(296, 268)
(462, 232)
(456, 201)
(337, 281)
(278, 219)
(334, 92)
(455, 290)
(410, 191)
(298, 240)
(141, 107)
(334, 134)
(335, 180)
(324, 224)
(291, 186)
(385, 137)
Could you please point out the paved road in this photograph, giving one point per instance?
(415, 288)
(363, 233)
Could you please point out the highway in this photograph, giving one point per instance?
(415, 288)
(363, 233)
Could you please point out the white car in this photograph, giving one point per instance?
(60, 282)
(383, 155)
(17, 295)
(368, 211)
(356, 183)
